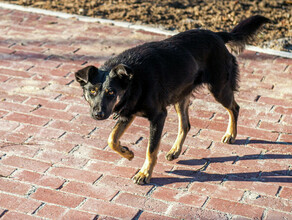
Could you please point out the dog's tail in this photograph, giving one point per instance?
(243, 33)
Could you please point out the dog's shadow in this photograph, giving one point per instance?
(245, 142)
(186, 175)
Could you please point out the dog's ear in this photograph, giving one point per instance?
(84, 75)
(123, 72)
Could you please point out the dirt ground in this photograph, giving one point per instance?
(183, 15)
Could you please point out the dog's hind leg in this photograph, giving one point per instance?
(183, 128)
(225, 96)
(156, 127)
(117, 132)
(231, 131)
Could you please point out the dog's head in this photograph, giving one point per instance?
(103, 89)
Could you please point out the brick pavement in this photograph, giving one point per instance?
(54, 158)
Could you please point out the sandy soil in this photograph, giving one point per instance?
(183, 15)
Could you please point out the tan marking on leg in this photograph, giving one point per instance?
(183, 129)
(145, 173)
(156, 127)
(117, 132)
(231, 131)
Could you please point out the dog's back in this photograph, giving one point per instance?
(174, 67)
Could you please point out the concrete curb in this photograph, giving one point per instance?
(125, 24)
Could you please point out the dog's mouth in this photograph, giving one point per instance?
(98, 118)
(99, 115)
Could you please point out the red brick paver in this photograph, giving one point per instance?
(54, 159)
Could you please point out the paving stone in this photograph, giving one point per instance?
(54, 158)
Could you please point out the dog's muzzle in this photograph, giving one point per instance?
(98, 115)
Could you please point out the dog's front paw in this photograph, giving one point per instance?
(127, 153)
(142, 178)
(228, 138)
(172, 154)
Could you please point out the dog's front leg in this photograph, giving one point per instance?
(156, 127)
(117, 132)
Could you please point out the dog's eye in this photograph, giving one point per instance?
(109, 92)
(93, 92)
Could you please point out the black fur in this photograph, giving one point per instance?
(168, 70)
(244, 32)
(145, 79)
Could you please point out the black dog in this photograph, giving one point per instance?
(144, 80)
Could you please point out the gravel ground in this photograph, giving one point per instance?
(183, 15)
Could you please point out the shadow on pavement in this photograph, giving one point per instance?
(280, 176)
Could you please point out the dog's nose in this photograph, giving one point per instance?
(98, 115)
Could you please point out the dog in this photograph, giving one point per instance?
(144, 80)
